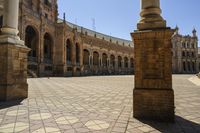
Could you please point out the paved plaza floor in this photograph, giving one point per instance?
(95, 105)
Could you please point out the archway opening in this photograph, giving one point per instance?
(119, 61)
(68, 52)
(77, 54)
(112, 61)
(95, 58)
(86, 55)
(104, 60)
(1, 21)
(48, 49)
(125, 62)
(31, 41)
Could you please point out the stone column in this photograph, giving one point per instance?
(153, 96)
(10, 18)
(151, 15)
(13, 56)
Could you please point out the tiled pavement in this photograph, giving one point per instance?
(96, 105)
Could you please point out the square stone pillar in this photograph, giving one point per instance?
(153, 96)
(13, 69)
(13, 56)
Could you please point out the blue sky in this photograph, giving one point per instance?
(119, 17)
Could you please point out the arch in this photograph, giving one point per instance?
(183, 54)
(199, 66)
(125, 62)
(193, 54)
(1, 21)
(188, 54)
(119, 61)
(31, 41)
(184, 66)
(77, 53)
(48, 47)
(95, 58)
(104, 59)
(132, 63)
(68, 51)
(193, 67)
(184, 46)
(86, 56)
(112, 60)
(188, 66)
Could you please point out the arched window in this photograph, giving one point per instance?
(95, 58)
(192, 54)
(193, 45)
(199, 66)
(193, 67)
(77, 53)
(183, 44)
(184, 66)
(183, 54)
(86, 56)
(132, 63)
(47, 46)
(188, 65)
(104, 60)
(31, 41)
(119, 61)
(125, 62)
(112, 61)
(1, 21)
(68, 52)
(188, 54)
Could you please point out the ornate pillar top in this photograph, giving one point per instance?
(150, 15)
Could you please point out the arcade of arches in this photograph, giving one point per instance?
(59, 48)
(78, 58)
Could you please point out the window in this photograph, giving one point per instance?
(184, 66)
(183, 45)
(46, 15)
(46, 2)
(183, 54)
(1, 21)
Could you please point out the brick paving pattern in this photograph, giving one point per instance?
(95, 105)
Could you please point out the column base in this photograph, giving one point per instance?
(154, 104)
(151, 26)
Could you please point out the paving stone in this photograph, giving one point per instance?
(95, 104)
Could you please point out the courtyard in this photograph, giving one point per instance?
(96, 105)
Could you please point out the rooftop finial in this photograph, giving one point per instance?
(177, 29)
(194, 32)
(64, 17)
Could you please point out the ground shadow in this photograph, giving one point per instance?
(8, 104)
(180, 125)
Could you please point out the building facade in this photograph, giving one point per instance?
(59, 48)
(185, 58)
